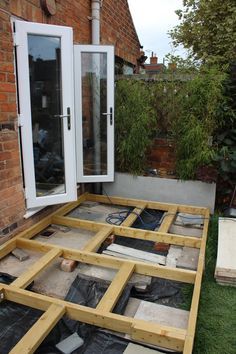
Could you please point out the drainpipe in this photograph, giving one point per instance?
(96, 4)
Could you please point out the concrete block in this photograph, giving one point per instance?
(188, 258)
(69, 344)
(20, 254)
(68, 265)
(132, 307)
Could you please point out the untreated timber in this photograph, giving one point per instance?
(34, 337)
(94, 244)
(26, 278)
(184, 275)
(169, 218)
(154, 236)
(149, 204)
(134, 214)
(115, 289)
(170, 337)
(188, 346)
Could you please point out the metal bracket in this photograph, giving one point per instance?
(20, 120)
(2, 296)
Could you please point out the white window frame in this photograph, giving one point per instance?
(109, 50)
(22, 29)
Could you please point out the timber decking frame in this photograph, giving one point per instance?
(102, 316)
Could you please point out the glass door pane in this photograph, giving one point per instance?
(47, 130)
(94, 102)
(46, 92)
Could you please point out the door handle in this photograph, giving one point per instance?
(109, 114)
(68, 116)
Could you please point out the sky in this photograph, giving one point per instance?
(152, 20)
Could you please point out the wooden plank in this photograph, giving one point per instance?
(149, 204)
(137, 254)
(151, 333)
(94, 244)
(26, 278)
(167, 336)
(188, 345)
(184, 275)
(38, 332)
(169, 218)
(70, 206)
(133, 215)
(6, 248)
(115, 289)
(154, 236)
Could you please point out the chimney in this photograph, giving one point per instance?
(153, 59)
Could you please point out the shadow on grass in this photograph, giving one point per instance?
(216, 323)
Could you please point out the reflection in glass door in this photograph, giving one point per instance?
(46, 109)
(94, 100)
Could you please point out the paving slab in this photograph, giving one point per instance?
(74, 238)
(139, 349)
(108, 274)
(188, 258)
(163, 315)
(95, 211)
(173, 255)
(185, 231)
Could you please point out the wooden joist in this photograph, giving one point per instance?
(164, 336)
(26, 278)
(34, 337)
(114, 291)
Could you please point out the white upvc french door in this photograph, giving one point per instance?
(94, 112)
(46, 111)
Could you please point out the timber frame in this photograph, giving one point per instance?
(54, 309)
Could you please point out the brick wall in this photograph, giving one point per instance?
(116, 28)
(162, 157)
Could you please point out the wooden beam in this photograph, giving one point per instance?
(7, 247)
(165, 335)
(116, 288)
(169, 218)
(178, 274)
(150, 205)
(133, 215)
(151, 334)
(154, 236)
(38, 332)
(26, 278)
(94, 244)
(70, 206)
(188, 346)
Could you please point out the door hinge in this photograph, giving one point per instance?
(16, 39)
(20, 120)
(26, 193)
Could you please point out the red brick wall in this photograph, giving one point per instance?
(117, 28)
(73, 13)
(162, 157)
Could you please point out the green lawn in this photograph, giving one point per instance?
(216, 325)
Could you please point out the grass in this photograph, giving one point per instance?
(216, 324)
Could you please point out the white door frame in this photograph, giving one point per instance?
(22, 29)
(78, 50)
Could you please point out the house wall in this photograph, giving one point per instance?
(73, 13)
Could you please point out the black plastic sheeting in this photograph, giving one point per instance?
(16, 320)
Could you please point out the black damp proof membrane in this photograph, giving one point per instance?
(16, 320)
